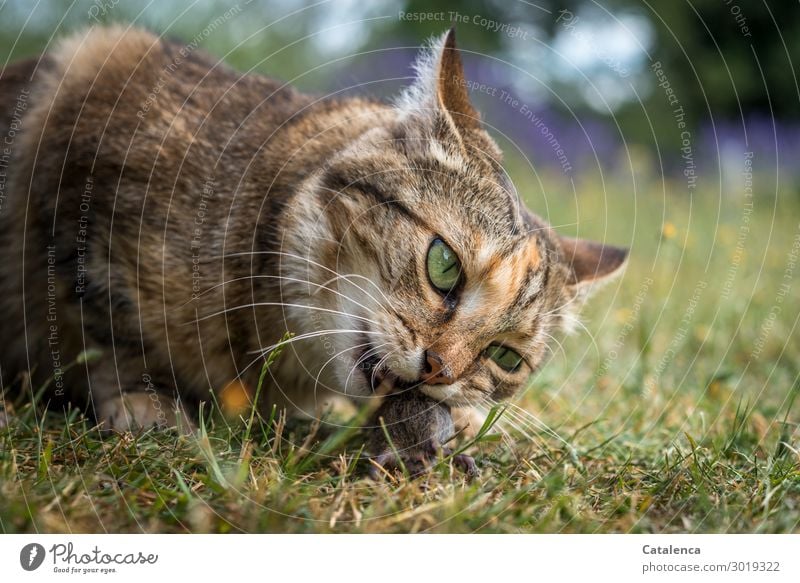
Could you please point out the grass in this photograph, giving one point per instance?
(673, 411)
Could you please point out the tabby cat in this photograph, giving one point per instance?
(180, 217)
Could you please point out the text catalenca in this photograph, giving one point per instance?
(670, 550)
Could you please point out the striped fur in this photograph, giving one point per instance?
(221, 210)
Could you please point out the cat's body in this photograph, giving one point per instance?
(154, 196)
(180, 178)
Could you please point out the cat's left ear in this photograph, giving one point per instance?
(591, 263)
(440, 85)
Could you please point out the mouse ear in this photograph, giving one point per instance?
(591, 263)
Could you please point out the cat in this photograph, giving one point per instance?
(178, 218)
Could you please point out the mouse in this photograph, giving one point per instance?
(419, 429)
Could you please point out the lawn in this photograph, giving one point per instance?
(672, 411)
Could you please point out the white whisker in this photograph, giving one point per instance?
(368, 280)
(268, 304)
(335, 356)
(315, 334)
(358, 362)
(523, 415)
(263, 352)
(559, 307)
(306, 259)
(285, 278)
(590, 335)
(556, 341)
(548, 227)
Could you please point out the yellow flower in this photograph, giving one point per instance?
(668, 231)
(623, 314)
(235, 398)
(726, 235)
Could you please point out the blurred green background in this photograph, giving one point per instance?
(585, 68)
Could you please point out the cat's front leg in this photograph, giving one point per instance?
(468, 421)
(124, 403)
(134, 411)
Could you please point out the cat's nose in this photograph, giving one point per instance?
(435, 371)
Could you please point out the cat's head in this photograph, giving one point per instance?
(454, 286)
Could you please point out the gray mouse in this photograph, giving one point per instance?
(419, 428)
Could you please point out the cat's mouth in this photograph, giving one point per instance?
(378, 375)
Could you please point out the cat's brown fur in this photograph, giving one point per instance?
(221, 210)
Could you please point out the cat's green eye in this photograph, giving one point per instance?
(444, 268)
(504, 357)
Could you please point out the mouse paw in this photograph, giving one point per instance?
(464, 462)
(420, 463)
(467, 465)
(415, 465)
(380, 464)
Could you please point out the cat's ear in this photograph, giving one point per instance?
(451, 88)
(591, 263)
(440, 85)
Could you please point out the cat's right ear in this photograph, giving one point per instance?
(440, 85)
(591, 263)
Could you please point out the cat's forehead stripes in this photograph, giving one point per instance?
(535, 279)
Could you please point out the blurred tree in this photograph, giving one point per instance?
(728, 56)
(725, 59)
